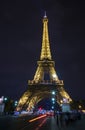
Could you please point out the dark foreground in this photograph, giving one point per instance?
(45, 123)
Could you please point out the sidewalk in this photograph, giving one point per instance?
(77, 125)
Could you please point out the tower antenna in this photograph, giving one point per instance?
(45, 16)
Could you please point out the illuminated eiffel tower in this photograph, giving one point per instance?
(39, 88)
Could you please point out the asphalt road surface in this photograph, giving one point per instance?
(35, 123)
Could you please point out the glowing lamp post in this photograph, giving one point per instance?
(53, 92)
(53, 99)
(5, 99)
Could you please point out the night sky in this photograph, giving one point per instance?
(20, 43)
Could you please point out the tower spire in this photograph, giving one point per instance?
(45, 16)
(45, 50)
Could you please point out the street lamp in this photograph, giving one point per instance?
(53, 99)
(5, 99)
(15, 103)
(53, 102)
(53, 92)
(52, 107)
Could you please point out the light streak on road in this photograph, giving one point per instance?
(37, 118)
(40, 125)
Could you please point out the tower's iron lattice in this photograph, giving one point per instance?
(39, 88)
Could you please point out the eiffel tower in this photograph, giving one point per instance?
(40, 88)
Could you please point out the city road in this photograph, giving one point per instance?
(37, 123)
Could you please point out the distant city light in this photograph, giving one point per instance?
(16, 102)
(53, 92)
(1, 99)
(53, 99)
(61, 101)
(5, 98)
(65, 100)
(52, 107)
(53, 102)
(80, 106)
(40, 108)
